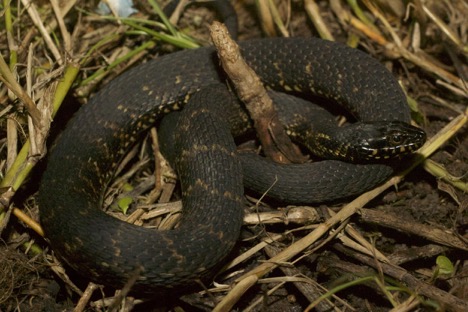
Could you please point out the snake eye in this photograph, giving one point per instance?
(395, 138)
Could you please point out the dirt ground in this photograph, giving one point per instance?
(405, 250)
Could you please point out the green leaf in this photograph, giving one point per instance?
(127, 187)
(445, 265)
(124, 203)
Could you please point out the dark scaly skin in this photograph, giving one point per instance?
(109, 251)
(311, 126)
(307, 124)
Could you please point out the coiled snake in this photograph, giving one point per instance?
(109, 251)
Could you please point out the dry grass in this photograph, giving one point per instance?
(54, 48)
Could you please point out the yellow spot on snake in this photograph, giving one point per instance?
(297, 88)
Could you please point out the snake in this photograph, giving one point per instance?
(85, 156)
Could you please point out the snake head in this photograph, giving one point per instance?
(386, 140)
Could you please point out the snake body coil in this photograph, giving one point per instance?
(109, 251)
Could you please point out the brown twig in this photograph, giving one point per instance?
(432, 233)
(251, 91)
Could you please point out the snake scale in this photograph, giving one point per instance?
(81, 164)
